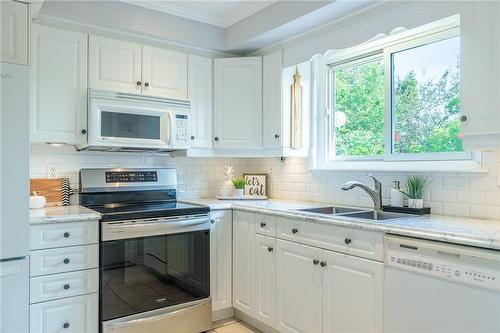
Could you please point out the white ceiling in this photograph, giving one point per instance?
(222, 13)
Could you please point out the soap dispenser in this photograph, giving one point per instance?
(396, 195)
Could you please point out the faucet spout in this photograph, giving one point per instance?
(375, 194)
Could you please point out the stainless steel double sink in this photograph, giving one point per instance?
(354, 213)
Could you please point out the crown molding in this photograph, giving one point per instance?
(222, 21)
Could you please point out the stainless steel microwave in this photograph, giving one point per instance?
(132, 122)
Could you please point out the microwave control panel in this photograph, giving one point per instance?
(181, 128)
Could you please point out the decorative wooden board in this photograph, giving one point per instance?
(50, 188)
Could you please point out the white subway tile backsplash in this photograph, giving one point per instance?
(455, 194)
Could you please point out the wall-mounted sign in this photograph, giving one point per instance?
(256, 184)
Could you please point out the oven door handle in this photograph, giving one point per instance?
(113, 230)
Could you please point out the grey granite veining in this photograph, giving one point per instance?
(464, 231)
(72, 213)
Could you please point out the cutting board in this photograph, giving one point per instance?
(50, 188)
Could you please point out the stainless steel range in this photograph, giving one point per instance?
(154, 252)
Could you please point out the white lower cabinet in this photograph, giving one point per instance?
(221, 259)
(265, 279)
(244, 262)
(298, 288)
(352, 294)
(70, 315)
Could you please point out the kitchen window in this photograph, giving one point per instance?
(394, 100)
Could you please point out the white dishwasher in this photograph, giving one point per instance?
(439, 287)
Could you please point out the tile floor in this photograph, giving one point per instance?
(233, 326)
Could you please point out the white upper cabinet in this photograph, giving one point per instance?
(271, 99)
(220, 259)
(200, 95)
(114, 65)
(238, 103)
(480, 74)
(352, 294)
(134, 68)
(14, 32)
(58, 86)
(164, 73)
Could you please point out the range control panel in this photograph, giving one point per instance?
(482, 276)
(131, 176)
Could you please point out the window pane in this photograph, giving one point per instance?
(426, 82)
(359, 110)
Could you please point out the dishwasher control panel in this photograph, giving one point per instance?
(447, 263)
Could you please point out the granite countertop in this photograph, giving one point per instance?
(72, 213)
(465, 231)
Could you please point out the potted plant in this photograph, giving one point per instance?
(239, 185)
(415, 188)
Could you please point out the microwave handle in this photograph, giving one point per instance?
(169, 122)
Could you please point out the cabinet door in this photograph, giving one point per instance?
(244, 263)
(480, 74)
(73, 315)
(352, 294)
(59, 86)
(265, 280)
(14, 32)
(298, 288)
(164, 73)
(200, 95)
(114, 65)
(220, 259)
(271, 99)
(238, 103)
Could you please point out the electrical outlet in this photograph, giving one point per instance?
(52, 171)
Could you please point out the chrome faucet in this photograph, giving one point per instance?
(376, 194)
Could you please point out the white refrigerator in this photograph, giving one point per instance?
(14, 203)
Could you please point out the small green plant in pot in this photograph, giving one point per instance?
(239, 185)
(415, 189)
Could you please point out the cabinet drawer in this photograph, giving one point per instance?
(51, 287)
(70, 315)
(46, 236)
(361, 243)
(265, 225)
(43, 262)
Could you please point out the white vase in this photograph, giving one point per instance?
(415, 203)
(239, 192)
(226, 189)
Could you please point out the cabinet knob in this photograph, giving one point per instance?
(84, 131)
(146, 84)
(323, 264)
(192, 137)
(66, 325)
(463, 119)
(276, 136)
(66, 235)
(347, 241)
(66, 286)
(212, 221)
(139, 83)
(315, 261)
(294, 231)
(66, 261)
(216, 138)
(262, 225)
(270, 249)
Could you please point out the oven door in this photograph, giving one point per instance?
(135, 124)
(149, 265)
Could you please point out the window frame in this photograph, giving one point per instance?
(383, 46)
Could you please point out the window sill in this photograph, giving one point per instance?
(469, 166)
